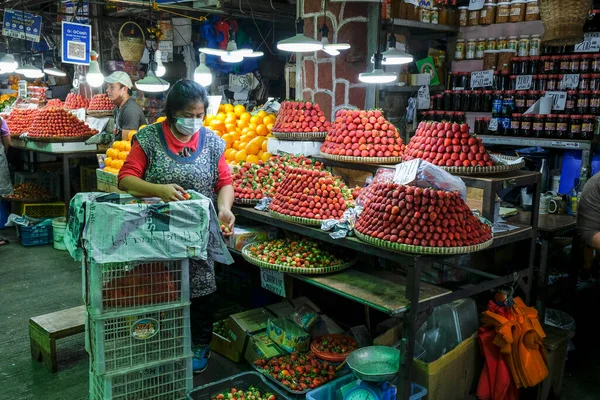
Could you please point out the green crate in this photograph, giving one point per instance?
(43, 210)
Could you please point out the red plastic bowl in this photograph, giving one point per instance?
(332, 357)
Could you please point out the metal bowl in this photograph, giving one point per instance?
(375, 363)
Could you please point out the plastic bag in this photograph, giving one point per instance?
(344, 226)
(263, 204)
(424, 174)
(382, 175)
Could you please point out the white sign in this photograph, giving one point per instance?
(423, 98)
(524, 82)
(273, 281)
(406, 172)
(493, 125)
(213, 104)
(97, 123)
(590, 44)
(570, 81)
(476, 4)
(574, 145)
(559, 100)
(482, 78)
(423, 79)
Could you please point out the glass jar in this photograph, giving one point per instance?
(488, 14)
(438, 101)
(466, 100)
(595, 102)
(490, 44)
(512, 82)
(523, 46)
(552, 66)
(536, 65)
(457, 100)
(596, 63)
(448, 101)
(486, 124)
(490, 59)
(575, 126)
(517, 11)
(584, 81)
(470, 48)
(574, 64)
(503, 81)
(474, 16)
(562, 125)
(559, 85)
(532, 97)
(542, 81)
(424, 15)
(535, 43)
(464, 15)
(587, 127)
(487, 101)
(565, 64)
(513, 43)
(501, 43)
(532, 11)
(571, 102)
(515, 125)
(538, 125)
(454, 80)
(459, 52)
(595, 82)
(477, 101)
(523, 68)
(514, 65)
(585, 63)
(459, 117)
(520, 101)
(531, 66)
(525, 128)
(464, 80)
(497, 103)
(480, 48)
(504, 57)
(583, 102)
(435, 15)
(503, 12)
(550, 126)
(508, 102)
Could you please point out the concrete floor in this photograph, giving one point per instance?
(40, 280)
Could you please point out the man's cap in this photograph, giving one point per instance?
(119, 77)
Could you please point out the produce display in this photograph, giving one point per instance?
(255, 181)
(245, 134)
(19, 121)
(117, 154)
(410, 215)
(251, 393)
(294, 253)
(100, 102)
(75, 101)
(311, 194)
(58, 123)
(7, 100)
(447, 145)
(31, 191)
(299, 117)
(297, 372)
(55, 103)
(365, 134)
(333, 346)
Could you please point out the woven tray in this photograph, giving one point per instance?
(301, 136)
(292, 270)
(245, 202)
(496, 169)
(100, 113)
(363, 160)
(405, 248)
(58, 139)
(297, 220)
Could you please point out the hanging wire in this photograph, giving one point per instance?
(264, 40)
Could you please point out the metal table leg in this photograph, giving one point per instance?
(543, 278)
(66, 179)
(412, 293)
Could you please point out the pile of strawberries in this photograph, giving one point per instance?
(312, 194)
(100, 102)
(75, 101)
(19, 121)
(420, 217)
(447, 145)
(54, 103)
(362, 133)
(58, 122)
(296, 116)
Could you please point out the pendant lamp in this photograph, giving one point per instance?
(202, 74)
(94, 77)
(152, 83)
(299, 43)
(8, 65)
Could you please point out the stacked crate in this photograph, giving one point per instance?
(138, 330)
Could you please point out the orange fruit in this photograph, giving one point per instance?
(112, 153)
(208, 119)
(228, 108)
(241, 123)
(127, 146)
(268, 120)
(252, 126)
(252, 148)
(264, 145)
(239, 109)
(252, 159)
(236, 144)
(262, 130)
(246, 116)
(108, 161)
(117, 164)
(270, 127)
(230, 127)
(230, 116)
(228, 138)
(265, 156)
(220, 116)
(123, 155)
(262, 114)
(217, 125)
(255, 119)
(236, 135)
(228, 154)
(240, 156)
(242, 145)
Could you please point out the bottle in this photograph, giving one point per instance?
(573, 199)
(545, 174)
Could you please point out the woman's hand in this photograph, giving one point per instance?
(227, 218)
(170, 192)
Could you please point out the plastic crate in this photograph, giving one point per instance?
(35, 235)
(128, 341)
(87, 178)
(241, 382)
(165, 381)
(332, 391)
(50, 180)
(43, 210)
(121, 287)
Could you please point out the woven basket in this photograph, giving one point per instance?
(296, 220)
(563, 21)
(245, 202)
(131, 48)
(301, 136)
(363, 160)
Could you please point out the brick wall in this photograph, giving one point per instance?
(333, 81)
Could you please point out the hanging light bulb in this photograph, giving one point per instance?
(232, 54)
(94, 77)
(30, 71)
(202, 74)
(160, 68)
(8, 65)
(152, 83)
(255, 54)
(333, 49)
(299, 43)
(377, 75)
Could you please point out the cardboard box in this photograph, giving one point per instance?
(288, 335)
(261, 346)
(225, 347)
(280, 310)
(304, 300)
(243, 325)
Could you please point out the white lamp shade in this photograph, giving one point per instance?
(29, 71)
(377, 76)
(8, 64)
(160, 68)
(152, 84)
(299, 44)
(232, 58)
(394, 57)
(55, 72)
(212, 52)
(255, 54)
(94, 77)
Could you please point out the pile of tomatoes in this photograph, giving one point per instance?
(19, 121)
(75, 101)
(294, 253)
(30, 190)
(251, 394)
(298, 371)
(58, 122)
(53, 103)
(100, 102)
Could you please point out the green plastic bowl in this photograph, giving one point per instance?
(375, 363)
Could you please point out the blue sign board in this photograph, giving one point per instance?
(76, 43)
(22, 25)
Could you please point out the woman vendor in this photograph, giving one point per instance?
(179, 154)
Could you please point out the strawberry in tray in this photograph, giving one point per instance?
(300, 117)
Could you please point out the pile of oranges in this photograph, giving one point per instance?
(246, 135)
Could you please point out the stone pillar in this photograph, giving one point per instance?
(330, 81)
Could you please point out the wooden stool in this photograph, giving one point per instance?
(44, 330)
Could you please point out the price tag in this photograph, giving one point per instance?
(476, 4)
(570, 81)
(273, 281)
(482, 78)
(574, 145)
(559, 100)
(524, 82)
(423, 98)
(79, 113)
(406, 172)
(590, 44)
(493, 125)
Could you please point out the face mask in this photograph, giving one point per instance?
(188, 126)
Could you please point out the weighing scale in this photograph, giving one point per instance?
(375, 366)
